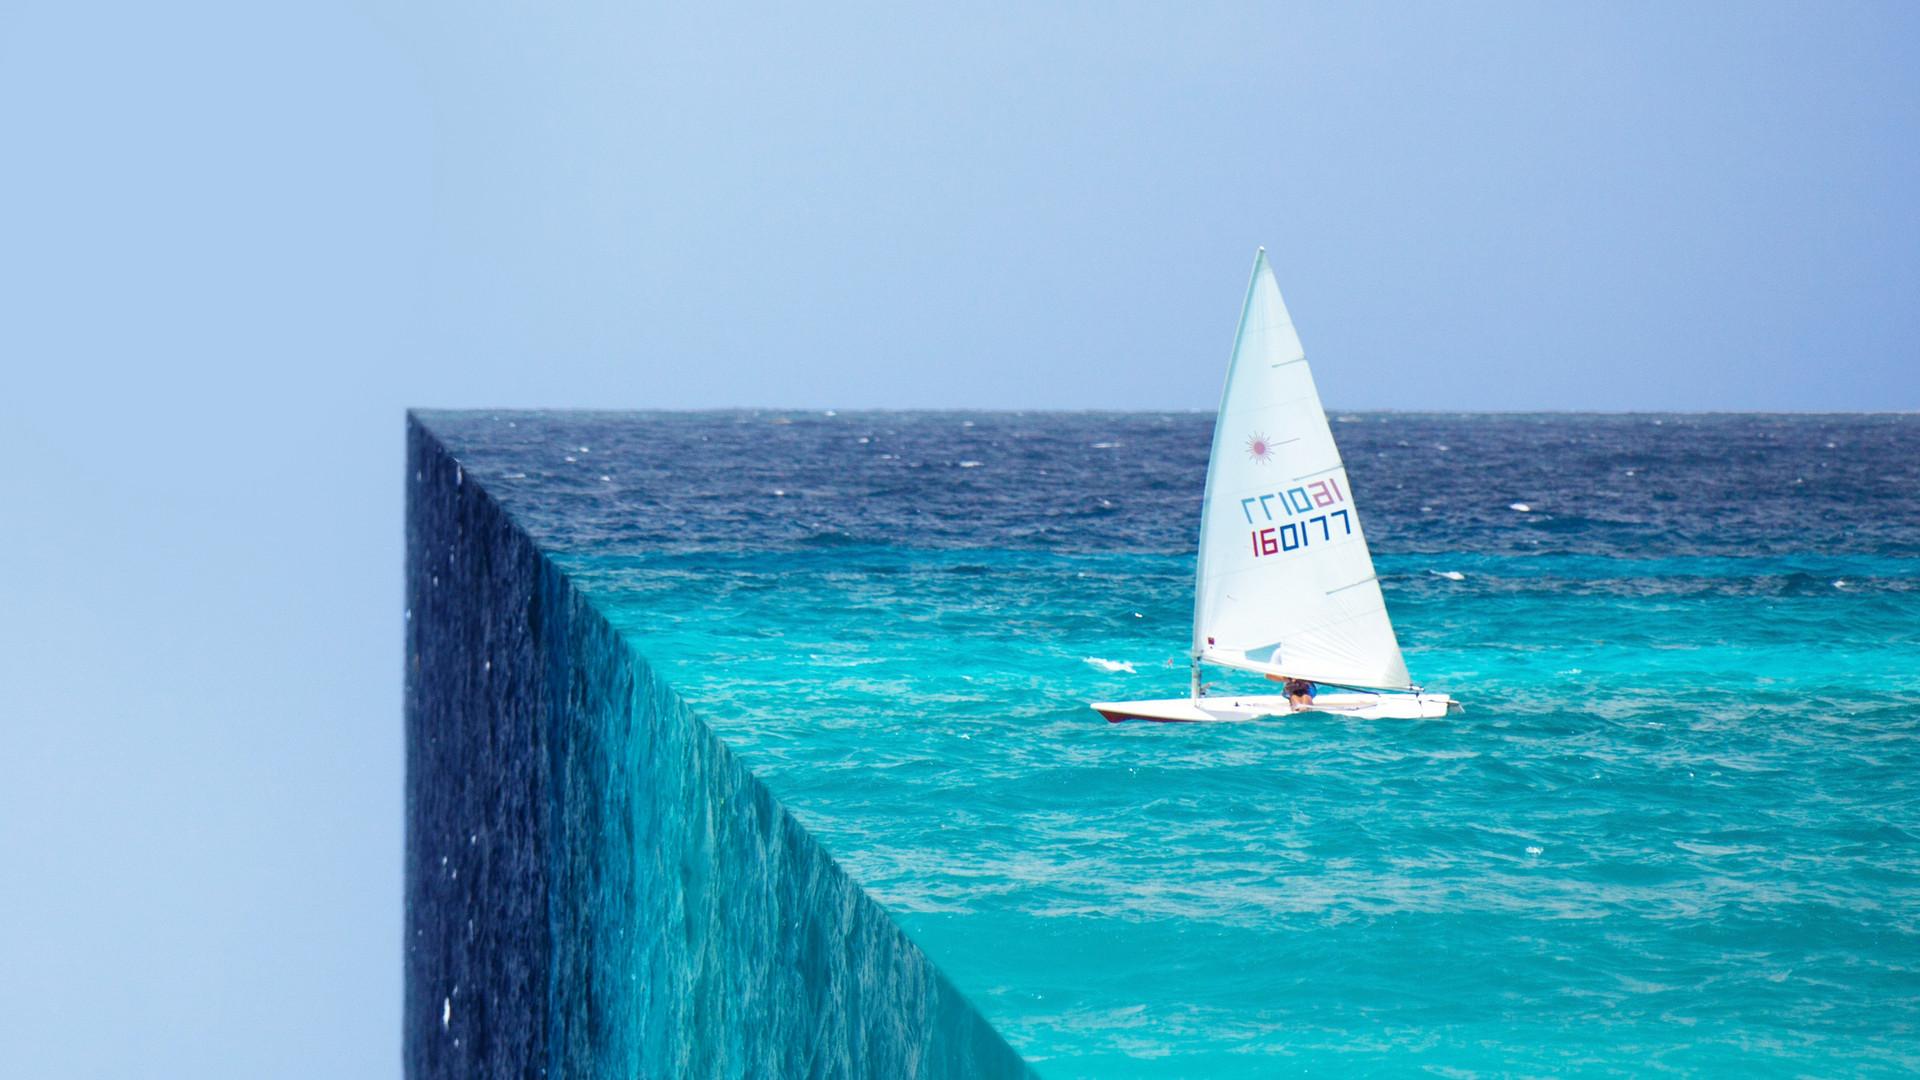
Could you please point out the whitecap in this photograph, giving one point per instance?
(1450, 575)
(1106, 446)
(1112, 665)
(1534, 849)
(1522, 508)
(970, 464)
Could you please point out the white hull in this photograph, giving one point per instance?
(1365, 705)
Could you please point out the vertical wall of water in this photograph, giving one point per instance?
(595, 884)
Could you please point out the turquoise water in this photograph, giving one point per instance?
(1677, 827)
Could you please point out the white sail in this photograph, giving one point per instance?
(1285, 584)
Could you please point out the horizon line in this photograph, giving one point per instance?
(830, 410)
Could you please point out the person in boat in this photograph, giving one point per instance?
(1300, 693)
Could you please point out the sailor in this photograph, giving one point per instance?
(1300, 694)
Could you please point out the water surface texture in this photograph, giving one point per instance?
(1678, 825)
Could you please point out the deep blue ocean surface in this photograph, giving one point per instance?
(1677, 826)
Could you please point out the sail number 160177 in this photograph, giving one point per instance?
(1294, 501)
(1298, 503)
(1295, 535)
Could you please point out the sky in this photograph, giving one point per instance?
(238, 240)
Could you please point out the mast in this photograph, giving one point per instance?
(1213, 457)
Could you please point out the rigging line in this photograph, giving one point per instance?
(1355, 585)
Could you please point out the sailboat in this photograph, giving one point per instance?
(1285, 584)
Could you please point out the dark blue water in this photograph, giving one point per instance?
(1678, 826)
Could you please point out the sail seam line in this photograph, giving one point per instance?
(1355, 585)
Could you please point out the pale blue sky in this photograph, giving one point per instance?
(237, 240)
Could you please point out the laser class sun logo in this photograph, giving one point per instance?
(1259, 448)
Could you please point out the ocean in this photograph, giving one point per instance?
(1676, 828)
